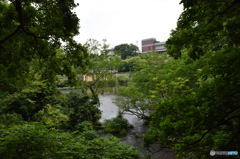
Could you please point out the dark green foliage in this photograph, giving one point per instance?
(117, 125)
(37, 45)
(30, 40)
(126, 50)
(125, 67)
(7, 120)
(30, 100)
(81, 107)
(36, 141)
(205, 114)
(205, 26)
(29, 141)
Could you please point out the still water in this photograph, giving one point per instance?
(133, 138)
(110, 110)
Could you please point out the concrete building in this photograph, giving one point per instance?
(152, 45)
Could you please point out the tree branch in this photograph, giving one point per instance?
(19, 9)
(34, 35)
(222, 121)
(9, 36)
(224, 11)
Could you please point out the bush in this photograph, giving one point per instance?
(123, 80)
(31, 100)
(52, 115)
(7, 120)
(84, 126)
(35, 141)
(29, 141)
(82, 107)
(117, 125)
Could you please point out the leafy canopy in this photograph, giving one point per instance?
(126, 50)
(207, 116)
(37, 37)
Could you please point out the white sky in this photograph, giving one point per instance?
(127, 21)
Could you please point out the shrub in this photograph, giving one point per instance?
(117, 125)
(35, 141)
(82, 107)
(28, 141)
(7, 120)
(52, 115)
(123, 80)
(31, 100)
(84, 126)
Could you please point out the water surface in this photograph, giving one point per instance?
(110, 110)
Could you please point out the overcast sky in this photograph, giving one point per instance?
(127, 21)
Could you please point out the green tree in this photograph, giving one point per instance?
(101, 68)
(126, 50)
(129, 64)
(156, 79)
(81, 107)
(208, 116)
(36, 45)
(31, 34)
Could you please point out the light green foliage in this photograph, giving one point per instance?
(195, 108)
(157, 77)
(123, 80)
(35, 141)
(192, 104)
(52, 115)
(130, 64)
(201, 113)
(117, 125)
(101, 67)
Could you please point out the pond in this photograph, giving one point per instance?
(110, 110)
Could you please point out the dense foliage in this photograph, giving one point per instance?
(34, 140)
(192, 101)
(117, 125)
(126, 50)
(102, 66)
(81, 108)
(31, 37)
(36, 119)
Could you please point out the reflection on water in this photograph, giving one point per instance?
(110, 110)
